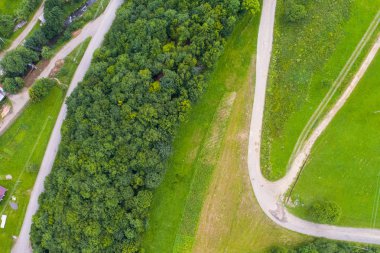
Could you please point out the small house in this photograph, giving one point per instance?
(2, 192)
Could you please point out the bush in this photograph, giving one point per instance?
(15, 63)
(41, 89)
(46, 53)
(13, 85)
(37, 40)
(324, 212)
(253, 6)
(6, 27)
(294, 12)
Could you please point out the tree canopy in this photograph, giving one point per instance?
(15, 63)
(121, 122)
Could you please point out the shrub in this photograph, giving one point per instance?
(6, 27)
(253, 6)
(324, 212)
(13, 85)
(37, 40)
(46, 53)
(294, 12)
(15, 63)
(40, 89)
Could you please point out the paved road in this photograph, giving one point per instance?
(26, 30)
(270, 194)
(23, 243)
(21, 99)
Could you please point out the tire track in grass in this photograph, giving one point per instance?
(337, 84)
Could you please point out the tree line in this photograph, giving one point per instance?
(122, 119)
(327, 246)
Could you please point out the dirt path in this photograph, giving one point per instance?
(270, 194)
(23, 244)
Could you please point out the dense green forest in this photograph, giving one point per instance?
(122, 119)
(325, 246)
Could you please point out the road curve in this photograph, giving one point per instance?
(270, 194)
(26, 30)
(23, 243)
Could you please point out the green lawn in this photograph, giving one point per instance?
(344, 164)
(307, 58)
(22, 148)
(179, 201)
(9, 6)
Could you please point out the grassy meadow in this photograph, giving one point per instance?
(22, 148)
(208, 167)
(9, 6)
(344, 164)
(307, 58)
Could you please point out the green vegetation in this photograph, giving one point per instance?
(9, 6)
(121, 122)
(343, 166)
(307, 57)
(22, 148)
(15, 63)
(325, 246)
(13, 85)
(206, 191)
(12, 12)
(325, 212)
(41, 88)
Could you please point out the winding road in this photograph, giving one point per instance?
(270, 194)
(101, 26)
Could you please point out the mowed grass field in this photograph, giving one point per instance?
(344, 164)
(307, 58)
(206, 202)
(9, 6)
(22, 148)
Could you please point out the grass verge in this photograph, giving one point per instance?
(307, 58)
(22, 148)
(343, 166)
(180, 208)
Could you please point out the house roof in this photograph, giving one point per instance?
(2, 192)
